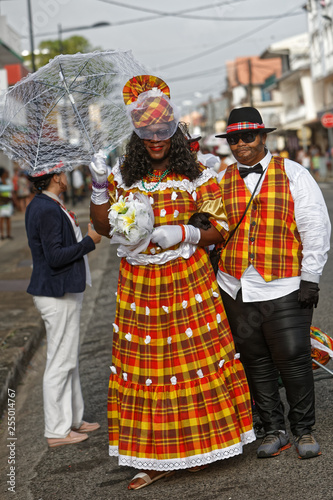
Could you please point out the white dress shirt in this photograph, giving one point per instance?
(313, 225)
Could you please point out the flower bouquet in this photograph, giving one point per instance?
(132, 221)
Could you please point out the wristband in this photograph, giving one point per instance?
(98, 185)
(182, 227)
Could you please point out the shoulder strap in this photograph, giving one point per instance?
(244, 213)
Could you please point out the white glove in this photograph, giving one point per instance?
(168, 236)
(98, 168)
(99, 176)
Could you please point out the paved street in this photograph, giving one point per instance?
(85, 471)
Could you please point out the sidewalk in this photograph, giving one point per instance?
(21, 327)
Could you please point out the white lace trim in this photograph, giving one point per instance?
(183, 463)
(183, 185)
(185, 250)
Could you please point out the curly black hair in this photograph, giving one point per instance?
(137, 163)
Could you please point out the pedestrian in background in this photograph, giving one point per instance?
(178, 396)
(23, 191)
(6, 204)
(269, 273)
(59, 275)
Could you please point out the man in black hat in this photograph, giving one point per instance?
(268, 275)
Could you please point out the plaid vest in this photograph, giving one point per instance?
(268, 237)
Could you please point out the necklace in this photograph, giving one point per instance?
(71, 214)
(155, 178)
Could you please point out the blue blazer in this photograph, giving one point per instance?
(57, 258)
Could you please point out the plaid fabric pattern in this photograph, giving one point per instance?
(142, 83)
(244, 126)
(176, 390)
(151, 111)
(268, 237)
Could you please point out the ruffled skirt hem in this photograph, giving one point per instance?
(186, 462)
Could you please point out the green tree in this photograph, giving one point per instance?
(48, 49)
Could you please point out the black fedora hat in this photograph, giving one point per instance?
(245, 119)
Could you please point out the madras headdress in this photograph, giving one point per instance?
(148, 101)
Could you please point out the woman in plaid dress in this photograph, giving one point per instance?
(178, 396)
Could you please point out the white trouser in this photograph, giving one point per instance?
(63, 402)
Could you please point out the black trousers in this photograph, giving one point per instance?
(273, 337)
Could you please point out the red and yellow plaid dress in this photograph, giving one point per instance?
(178, 395)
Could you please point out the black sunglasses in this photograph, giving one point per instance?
(246, 137)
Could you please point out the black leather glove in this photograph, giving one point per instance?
(308, 294)
(200, 220)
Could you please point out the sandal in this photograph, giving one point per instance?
(148, 480)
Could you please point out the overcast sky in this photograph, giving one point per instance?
(189, 53)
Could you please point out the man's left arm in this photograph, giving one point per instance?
(314, 227)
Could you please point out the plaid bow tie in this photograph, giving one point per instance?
(257, 169)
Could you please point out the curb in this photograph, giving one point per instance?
(18, 363)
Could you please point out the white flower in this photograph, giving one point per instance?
(200, 374)
(218, 318)
(215, 294)
(237, 355)
(131, 220)
(128, 337)
(184, 304)
(147, 339)
(113, 369)
(174, 195)
(221, 363)
(173, 380)
(133, 306)
(169, 340)
(125, 376)
(208, 327)
(148, 381)
(147, 311)
(163, 212)
(194, 195)
(115, 328)
(175, 214)
(165, 309)
(198, 298)
(151, 200)
(189, 332)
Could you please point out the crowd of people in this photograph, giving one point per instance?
(195, 348)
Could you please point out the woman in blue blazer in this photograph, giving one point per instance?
(59, 276)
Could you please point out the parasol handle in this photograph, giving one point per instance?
(72, 100)
(322, 366)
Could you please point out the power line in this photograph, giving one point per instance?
(243, 36)
(170, 14)
(184, 13)
(197, 75)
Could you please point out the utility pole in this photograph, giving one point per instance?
(60, 38)
(250, 82)
(31, 35)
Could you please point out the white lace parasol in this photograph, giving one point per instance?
(67, 110)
